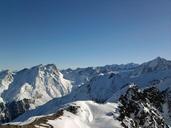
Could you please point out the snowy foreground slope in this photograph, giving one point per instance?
(80, 114)
(135, 96)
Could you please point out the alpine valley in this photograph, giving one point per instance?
(112, 96)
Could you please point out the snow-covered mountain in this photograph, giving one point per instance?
(104, 86)
(158, 64)
(81, 76)
(96, 103)
(30, 88)
(40, 84)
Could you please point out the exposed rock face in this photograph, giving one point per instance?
(142, 109)
(6, 78)
(10, 111)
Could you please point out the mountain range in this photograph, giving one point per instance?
(112, 96)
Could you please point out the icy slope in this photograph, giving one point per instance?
(80, 94)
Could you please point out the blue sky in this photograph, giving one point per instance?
(80, 33)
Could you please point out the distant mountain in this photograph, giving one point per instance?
(104, 86)
(81, 76)
(154, 65)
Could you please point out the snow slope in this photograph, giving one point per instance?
(88, 115)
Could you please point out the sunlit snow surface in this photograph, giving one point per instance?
(89, 115)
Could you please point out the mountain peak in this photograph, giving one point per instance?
(158, 59)
(154, 65)
(49, 68)
(6, 71)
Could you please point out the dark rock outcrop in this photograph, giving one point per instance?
(142, 108)
(10, 111)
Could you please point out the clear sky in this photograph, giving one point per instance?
(80, 33)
